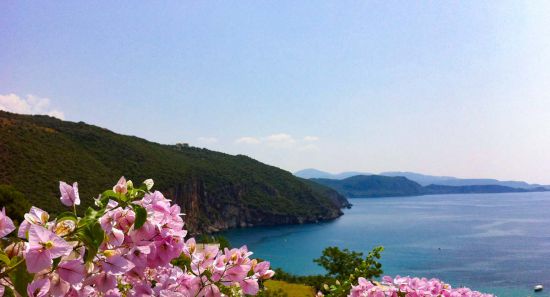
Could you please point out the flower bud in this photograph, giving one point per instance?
(121, 187)
(15, 249)
(149, 184)
(64, 227)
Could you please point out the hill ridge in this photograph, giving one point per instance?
(216, 190)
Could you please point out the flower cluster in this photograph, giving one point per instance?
(409, 287)
(131, 244)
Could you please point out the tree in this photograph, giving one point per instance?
(347, 267)
(342, 263)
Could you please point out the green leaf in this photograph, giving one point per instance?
(109, 194)
(20, 277)
(141, 216)
(4, 258)
(66, 216)
(92, 236)
(56, 263)
(90, 217)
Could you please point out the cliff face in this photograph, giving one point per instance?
(204, 213)
(216, 191)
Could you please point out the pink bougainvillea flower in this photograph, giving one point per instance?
(6, 224)
(35, 216)
(236, 273)
(212, 291)
(58, 287)
(116, 237)
(262, 270)
(130, 262)
(69, 194)
(44, 246)
(124, 218)
(38, 288)
(249, 286)
(121, 186)
(72, 271)
(116, 264)
(103, 281)
(409, 286)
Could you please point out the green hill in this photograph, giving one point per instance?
(215, 190)
(372, 186)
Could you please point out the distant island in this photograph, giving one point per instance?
(422, 179)
(389, 186)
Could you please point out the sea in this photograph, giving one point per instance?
(494, 243)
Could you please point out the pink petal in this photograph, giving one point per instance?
(212, 291)
(6, 224)
(117, 264)
(38, 288)
(116, 238)
(66, 194)
(120, 186)
(58, 287)
(23, 229)
(76, 195)
(60, 246)
(250, 286)
(72, 271)
(104, 282)
(37, 260)
(38, 235)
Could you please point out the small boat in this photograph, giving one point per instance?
(538, 288)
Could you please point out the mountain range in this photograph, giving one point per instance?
(365, 186)
(422, 179)
(216, 190)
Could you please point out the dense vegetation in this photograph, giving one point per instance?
(15, 202)
(217, 190)
(387, 186)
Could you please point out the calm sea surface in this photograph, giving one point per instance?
(496, 243)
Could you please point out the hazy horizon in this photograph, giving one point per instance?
(445, 88)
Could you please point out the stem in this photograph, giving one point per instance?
(7, 271)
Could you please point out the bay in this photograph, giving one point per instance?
(495, 243)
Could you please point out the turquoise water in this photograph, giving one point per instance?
(496, 243)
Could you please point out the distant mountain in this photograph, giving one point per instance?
(372, 186)
(454, 181)
(387, 186)
(475, 189)
(216, 190)
(422, 179)
(314, 173)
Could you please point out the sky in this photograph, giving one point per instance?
(457, 88)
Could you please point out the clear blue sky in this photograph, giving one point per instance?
(441, 87)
